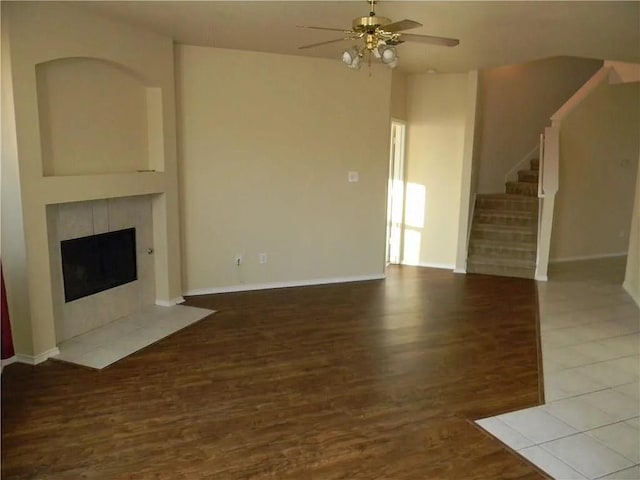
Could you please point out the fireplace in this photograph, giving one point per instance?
(97, 263)
(102, 262)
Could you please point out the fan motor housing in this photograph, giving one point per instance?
(370, 23)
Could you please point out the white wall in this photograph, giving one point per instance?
(398, 94)
(631, 73)
(599, 147)
(516, 103)
(468, 178)
(632, 275)
(12, 242)
(266, 142)
(437, 112)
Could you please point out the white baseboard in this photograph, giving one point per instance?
(267, 286)
(32, 359)
(459, 270)
(587, 257)
(542, 278)
(443, 266)
(170, 303)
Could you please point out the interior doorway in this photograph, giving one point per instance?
(396, 193)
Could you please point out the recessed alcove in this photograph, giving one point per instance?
(97, 117)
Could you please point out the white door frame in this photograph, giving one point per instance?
(396, 193)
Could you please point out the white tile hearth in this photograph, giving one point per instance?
(589, 427)
(106, 345)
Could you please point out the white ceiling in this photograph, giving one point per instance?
(491, 33)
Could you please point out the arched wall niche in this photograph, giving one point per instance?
(97, 117)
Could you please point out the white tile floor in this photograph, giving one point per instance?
(589, 427)
(103, 346)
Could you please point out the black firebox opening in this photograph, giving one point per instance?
(98, 262)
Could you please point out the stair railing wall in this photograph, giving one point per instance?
(583, 92)
(548, 183)
(622, 72)
(550, 168)
(540, 165)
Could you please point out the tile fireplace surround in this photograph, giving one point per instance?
(80, 219)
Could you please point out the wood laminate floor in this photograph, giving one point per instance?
(369, 380)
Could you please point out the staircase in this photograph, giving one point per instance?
(504, 229)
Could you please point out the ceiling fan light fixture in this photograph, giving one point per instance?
(377, 51)
(388, 54)
(356, 63)
(351, 57)
(379, 35)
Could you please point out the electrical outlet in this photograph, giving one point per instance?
(262, 257)
(238, 260)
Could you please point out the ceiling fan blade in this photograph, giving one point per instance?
(325, 28)
(401, 25)
(428, 39)
(324, 43)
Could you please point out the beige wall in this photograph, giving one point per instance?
(41, 33)
(598, 163)
(12, 246)
(266, 142)
(632, 276)
(517, 102)
(398, 95)
(437, 112)
(468, 178)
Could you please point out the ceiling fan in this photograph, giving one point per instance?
(380, 37)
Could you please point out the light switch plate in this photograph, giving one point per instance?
(353, 177)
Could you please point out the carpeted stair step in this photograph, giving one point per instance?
(520, 251)
(528, 176)
(523, 188)
(504, 230)
(505, 268)
(506, 217)
(506, 202)
(535, 163)
(503, 233)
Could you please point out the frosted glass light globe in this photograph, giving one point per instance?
(388, 54)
